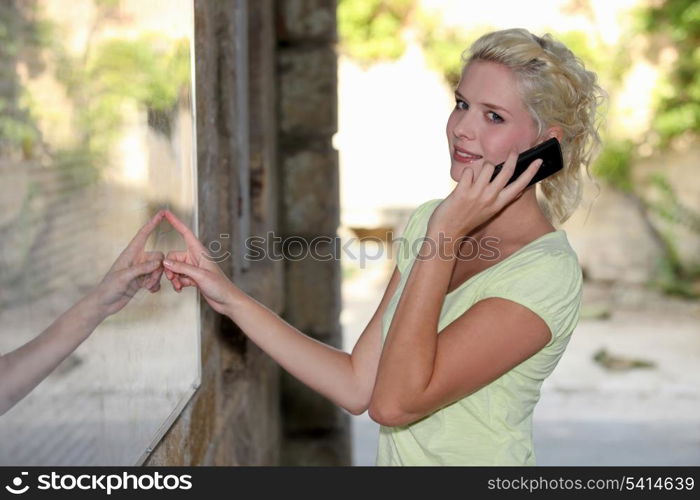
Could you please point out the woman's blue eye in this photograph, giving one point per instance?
(496, 118)
(493, 117)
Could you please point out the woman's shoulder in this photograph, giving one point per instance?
(417, 222)
(414, 229)
(426, 209)
(554, 243)
(545, 277)
(549, 258)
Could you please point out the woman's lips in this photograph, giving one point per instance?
(463, 156)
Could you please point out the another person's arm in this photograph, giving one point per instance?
(346, 379)
(24, 368)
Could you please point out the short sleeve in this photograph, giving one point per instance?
(409, 242)
(548, 283)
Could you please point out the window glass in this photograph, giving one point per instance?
(96, 134)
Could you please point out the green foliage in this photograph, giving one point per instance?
(20, 31)
(370, 30)
(585, 48)
(107, 4)
(676, 117)
(78, 166)
(17, 130)
(349, 272)
(148, 72)
(676, 24)
(614, 165)
(444, 46)
(609, 63)
(22, 37)
(669, 207)
(672, 277)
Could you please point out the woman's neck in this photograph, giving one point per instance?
(517, 222)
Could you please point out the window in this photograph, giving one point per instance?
(96, 134)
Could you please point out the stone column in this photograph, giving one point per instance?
(315, 431)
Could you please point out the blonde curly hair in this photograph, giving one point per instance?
(557, 90)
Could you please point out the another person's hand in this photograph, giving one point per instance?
(24, 368)
(134, 269)
(194, 267)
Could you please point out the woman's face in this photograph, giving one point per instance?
(489, 119)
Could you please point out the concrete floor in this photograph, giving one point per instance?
(588, 414)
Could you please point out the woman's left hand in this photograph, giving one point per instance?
(195, 267)
(474, 201)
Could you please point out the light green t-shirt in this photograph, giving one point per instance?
(492, 426)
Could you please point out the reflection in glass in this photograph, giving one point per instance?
(96, 134)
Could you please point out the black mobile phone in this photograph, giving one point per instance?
(552, 162)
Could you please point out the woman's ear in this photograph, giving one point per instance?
(554, 131)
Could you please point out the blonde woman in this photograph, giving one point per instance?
(452, 362)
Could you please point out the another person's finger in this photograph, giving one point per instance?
(177, 255)
(154, 278)
(138, 242)
(140, 269)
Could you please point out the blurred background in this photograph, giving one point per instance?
(627, 391)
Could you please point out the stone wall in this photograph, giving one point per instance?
(316, 431)
(612, 236)
(266, 114)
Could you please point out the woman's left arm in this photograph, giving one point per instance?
(420, 371)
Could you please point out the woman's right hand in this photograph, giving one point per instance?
(195, 267)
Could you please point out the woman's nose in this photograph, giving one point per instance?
(464, 126)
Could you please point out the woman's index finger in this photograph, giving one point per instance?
(524, 179)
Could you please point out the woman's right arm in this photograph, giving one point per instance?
(346, 379)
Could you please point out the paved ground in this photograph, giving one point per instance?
(589, 414)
